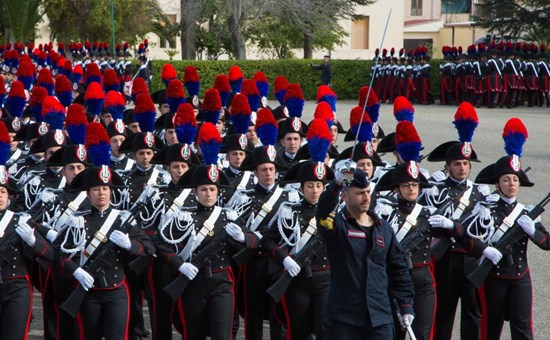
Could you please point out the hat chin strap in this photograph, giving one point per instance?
(507, 198)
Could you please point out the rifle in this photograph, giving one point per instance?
(304, 258)
(507, 241)
(440, 248)
(8, 244)
(412, 241)
(103, 258)
(202, 260)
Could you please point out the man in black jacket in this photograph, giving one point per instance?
(326, 74)
(367, 263)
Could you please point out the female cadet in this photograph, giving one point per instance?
(405, 216)
(507, 291)
(294, 227)
(208, 299)
(23, 244)
(104, 311)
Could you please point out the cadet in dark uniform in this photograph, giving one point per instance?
(507, 292)
(367, 263)
(206, 306)
(34, 163)
(26, 244)
(120, 163)
(105, 310)
(291, 133)
(326, 70)
(237, 146)
(292, 229)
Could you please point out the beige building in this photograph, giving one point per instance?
(412, 23)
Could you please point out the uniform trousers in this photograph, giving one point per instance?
(105, 312)
(453, 285)
(206, 306)
(424, 305)
(335, 330)
(303, 305)
(511, 298)
(15, 308)
(162, 304)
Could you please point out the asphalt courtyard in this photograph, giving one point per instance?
(434, 124)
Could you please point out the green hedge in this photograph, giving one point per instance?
(348, 75)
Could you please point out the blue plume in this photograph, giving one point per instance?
(331, 100)
(94, 106)
(240, 123)
(55, 120)
(16, 106)
(513, 143)
(113, 87)
(4, 153)
(263, 88)
(374, 112)
(267, 134)
(210, 151)
(186, 133)
(236, 85)
(193, 88)
(253, 102)
(318, 148)
(409, 151)
(100, 153)
(77, 133)
(49, 88)
(365, 133)
(65, 98)
(27, 81)
(211, 116)
(224, 96)
(280, 96)
(465, 128)
(295, 107)
(174, 103)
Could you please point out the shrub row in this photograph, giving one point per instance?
(348, 75)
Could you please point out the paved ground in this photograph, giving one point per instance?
(434, 125)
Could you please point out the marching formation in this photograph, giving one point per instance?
(222, 206)
(498, 75)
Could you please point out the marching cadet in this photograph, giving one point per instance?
(120, 162)
(452, 260)
(531, 77)
(544, 77)
(506, 293)
(85, 237)
(405, 217)
(237, 147)
(263, 204)
(494, 77)
(167, 132)
(290, 231)
(479, 71)
(367, 263)
(19, 243)
(447, 76)
(511, 74)
(292, 129)
(209, 298)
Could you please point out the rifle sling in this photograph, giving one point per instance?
(208, 226)
(266, 208)
(409, 222)
(306, 236)
(5, 221)
(508, 223)
(99, 237)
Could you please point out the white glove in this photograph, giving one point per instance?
(120, 239)
(189, 270)
(51, 235)
(493, 254)
(527, 224)
(86, 280)
(291, 266)
(344, 170)
(406, 320)
(26, 233)
(235, 232)
(438, 176)
(440, 221)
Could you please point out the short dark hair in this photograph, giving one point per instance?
(326, 56)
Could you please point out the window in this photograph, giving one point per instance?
(455, 6)
(416, 8)
(360, 33)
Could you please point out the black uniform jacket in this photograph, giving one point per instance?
(368, 267)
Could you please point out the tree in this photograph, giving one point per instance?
(190, 12)
(91, 20)
(517, 18)
(19, 19)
